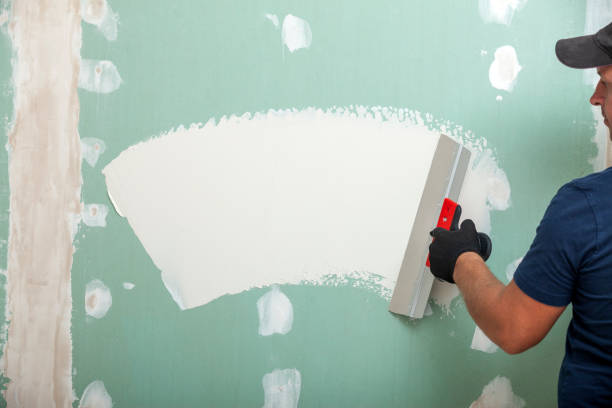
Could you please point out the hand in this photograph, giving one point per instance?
(448, 245)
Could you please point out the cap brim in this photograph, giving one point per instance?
(581, 52)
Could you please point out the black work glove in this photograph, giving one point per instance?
(448, 245)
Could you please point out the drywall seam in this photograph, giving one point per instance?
(288, 197)
(45, 184)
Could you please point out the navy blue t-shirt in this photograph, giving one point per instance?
(570, 260)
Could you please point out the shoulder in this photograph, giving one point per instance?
(594, 181)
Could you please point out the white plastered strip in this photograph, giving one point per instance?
(45, 183)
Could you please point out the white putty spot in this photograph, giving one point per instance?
(499, 98)
(498, 394)
(94, 215)
(499, 11)
(296, 33)
(511, 268)
(128, 285)
(275, 313)
(504, 69)
(91, 149)
(273, 18)
(282, 388)
(481, 342)
(99, 76)
(483, 52)
(96, 396)
(100, 14)
(280, 197)
(428, 310)
(98, 299)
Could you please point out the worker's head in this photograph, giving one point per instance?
(592, 51)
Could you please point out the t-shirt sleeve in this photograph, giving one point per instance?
(565, 239)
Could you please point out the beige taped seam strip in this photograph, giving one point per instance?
(45, 184)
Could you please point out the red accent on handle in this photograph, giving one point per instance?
(446, 217)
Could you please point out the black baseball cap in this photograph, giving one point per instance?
(588, 51)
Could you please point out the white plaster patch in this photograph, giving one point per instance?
(499, 11)
(98, 299)
(498, 394)
(94, 215)
(100, 14)
(99, 76)
(481, 342)
(273, 19)
(296, 33)
(499, 98)
(91, 149)
(504, 69)
(282, 388)
(275, 313)
(128, 285)
(443, 293)
(486, 188)
(285, 197)
(96, 396)
(511, 268)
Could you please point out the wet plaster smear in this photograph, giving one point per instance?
(281, 197)
(43, 201)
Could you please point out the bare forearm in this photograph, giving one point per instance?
(483, 294)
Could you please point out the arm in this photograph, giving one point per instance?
(510, 318)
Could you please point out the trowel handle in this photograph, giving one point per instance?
(485, 245)
(449, 218)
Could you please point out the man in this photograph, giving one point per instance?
(570, 260)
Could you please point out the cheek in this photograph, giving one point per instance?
(607, 103)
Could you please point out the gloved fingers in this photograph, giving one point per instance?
(468, 225)
(455, 222)
(437, 231)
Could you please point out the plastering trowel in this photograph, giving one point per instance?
(437, 207)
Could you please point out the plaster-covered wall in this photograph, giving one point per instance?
(249, 261)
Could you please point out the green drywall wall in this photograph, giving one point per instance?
(186, 62)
